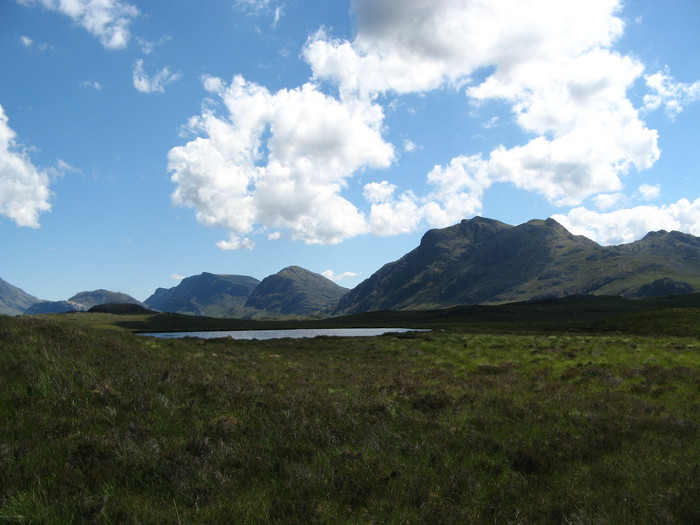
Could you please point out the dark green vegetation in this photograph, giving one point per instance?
(573, 411)
(486, 261)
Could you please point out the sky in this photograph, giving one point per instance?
(144, 141)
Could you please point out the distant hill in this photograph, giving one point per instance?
(206, 294)
(80, 302)
(294, 291)
(486, 261)
(13, 300)
(119, 308)
(54, 307)
(95, 297)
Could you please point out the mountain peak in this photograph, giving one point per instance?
(295, 291)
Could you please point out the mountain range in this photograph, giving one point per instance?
(478, 261)
(486, 261)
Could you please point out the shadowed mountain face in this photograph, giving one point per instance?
(486, 261)
(95, 297)
(13, 300)
(206, 294)
(295, 291)
(80, 302)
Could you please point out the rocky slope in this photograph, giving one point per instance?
(13, 300)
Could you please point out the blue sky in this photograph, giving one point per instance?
(144, 141)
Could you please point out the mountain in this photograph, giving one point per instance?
(80, 302)
(54, 307)
(206, 294)
(95, 297)
(486, 261)
(295, 291)
(13, 300)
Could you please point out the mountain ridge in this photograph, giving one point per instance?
(486, 261)
(476, 261)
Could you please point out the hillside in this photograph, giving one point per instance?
(206, 294)
(295, 291)
(95, 297)
(54, 307)
(80, 302)
(487, 261)
(13, 300)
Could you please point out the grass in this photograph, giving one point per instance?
(482, 426)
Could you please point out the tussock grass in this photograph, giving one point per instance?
(101, 426)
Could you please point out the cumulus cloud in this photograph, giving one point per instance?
(24, 190)
(551, 62)
(155, 83)
(605, 201)
(109, 20)
(627, 225)
(424, 44)
(278, 161)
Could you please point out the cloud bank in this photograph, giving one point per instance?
(283, 161)
(24, 190)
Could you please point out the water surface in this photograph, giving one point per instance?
(279, 334)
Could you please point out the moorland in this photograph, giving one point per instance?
(576, 410)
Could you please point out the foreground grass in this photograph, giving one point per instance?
(101, 426)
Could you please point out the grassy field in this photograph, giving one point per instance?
(595, 422)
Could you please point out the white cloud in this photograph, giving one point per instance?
(649, 192)
(148, 46)
(26, 41)
(378, 191)
(94, 84)
(254, 5)
(235, 243)
(155, 83)
(330, 274)
(551, 61)
(672, 95)
(409, 146)
(276, 16)
(278, 161)
(108, 20)
(281, 160)
(24, 190)
(261, 7)
(424, 44)
(605, 201)
(177, 277)
(627, 225)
